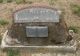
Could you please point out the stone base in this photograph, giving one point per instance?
(67, 48)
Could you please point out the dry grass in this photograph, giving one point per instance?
(65, 5)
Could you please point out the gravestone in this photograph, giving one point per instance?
(38, 25)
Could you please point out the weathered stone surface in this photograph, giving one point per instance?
(57, 31)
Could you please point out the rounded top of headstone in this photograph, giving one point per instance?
(36, 13)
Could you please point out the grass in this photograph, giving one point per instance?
(23, 1)
(75, 29)
(3, 22)
(76, 9)
(51, 2)
(19, 1)
(29, 2)
(1, 1)
(11, 52)
(39, 0)
(9, 1)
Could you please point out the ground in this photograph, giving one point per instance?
(71, 19)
